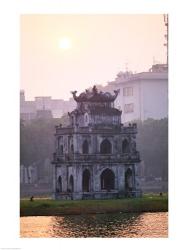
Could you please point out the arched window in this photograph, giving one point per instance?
(105, 147)
(125, 146)
(72, 149)
(61, 149)
(85, 147)
(86, 118)
(107, 179)
(86, 181)
(128, 180)
(59, 184)
(71, 184)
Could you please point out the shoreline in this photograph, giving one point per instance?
(42, 207)
(91, 213)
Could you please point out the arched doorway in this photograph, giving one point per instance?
(125, 146)
(86, 181)
(59, 184)
(128, 180)
(85, 147)
(71, 184)
(107, 179)
(105, 147)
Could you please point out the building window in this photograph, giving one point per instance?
(85, 147)
(86, 181)
(129, 108)
(86, 118)
(105, 147)
(71, 184)
(59, 184)
(107, 179)
(128, 91)
(125, 146)
(62, 149)
(72, 148)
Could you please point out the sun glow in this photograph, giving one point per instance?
(65, 43)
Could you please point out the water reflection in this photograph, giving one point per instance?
(100, 225)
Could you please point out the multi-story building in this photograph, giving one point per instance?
(142, 95)
(96, 156)
(44, 107)
(27, 108)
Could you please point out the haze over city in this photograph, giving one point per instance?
(60, 53)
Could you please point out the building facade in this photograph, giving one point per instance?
(142, 95)
(95, 156)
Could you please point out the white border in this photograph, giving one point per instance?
(9, 177)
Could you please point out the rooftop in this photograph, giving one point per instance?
(158, 71)
(95, 96)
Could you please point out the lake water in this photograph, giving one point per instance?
(96, 225)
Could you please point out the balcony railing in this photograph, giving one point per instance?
(132, 128)
(97, 157)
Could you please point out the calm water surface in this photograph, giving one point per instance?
(100, 225)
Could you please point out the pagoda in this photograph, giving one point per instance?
(95, 155)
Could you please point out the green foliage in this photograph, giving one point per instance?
(152, 142)
(37, 139)
(148, 203)
(37, 143)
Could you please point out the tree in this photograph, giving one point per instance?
(37, 139)
(152, 142)
(37, 143)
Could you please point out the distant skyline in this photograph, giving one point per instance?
(61, 53)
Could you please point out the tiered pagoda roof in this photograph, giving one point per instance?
(95, 96)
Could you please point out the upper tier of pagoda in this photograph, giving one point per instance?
(95, 96)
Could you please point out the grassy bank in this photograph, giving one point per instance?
(47, 207)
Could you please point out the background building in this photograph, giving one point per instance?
(27, 108)
(44, 107)
(142, 95)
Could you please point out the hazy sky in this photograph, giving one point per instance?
(101, 46)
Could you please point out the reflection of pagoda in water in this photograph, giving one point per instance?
(96, 155)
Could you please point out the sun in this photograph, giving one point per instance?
(65, 43)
